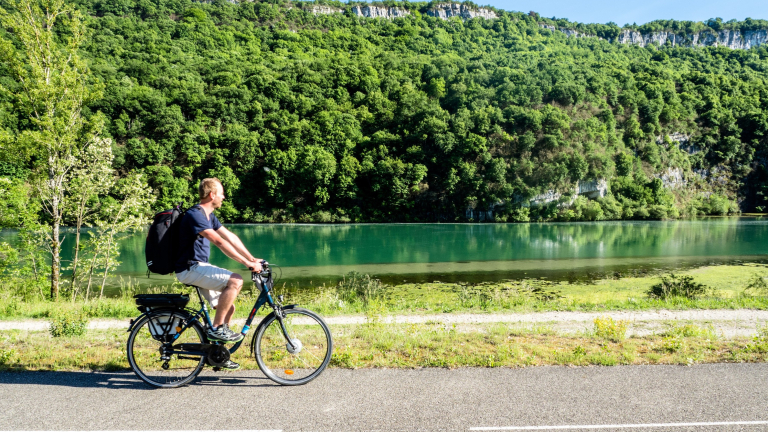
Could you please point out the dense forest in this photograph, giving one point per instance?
(334, 118)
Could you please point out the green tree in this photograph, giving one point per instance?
(53, 91)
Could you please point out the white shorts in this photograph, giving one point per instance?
(211, 279)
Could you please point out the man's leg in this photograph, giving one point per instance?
(226, 307)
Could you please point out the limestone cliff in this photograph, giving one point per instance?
(379, 12)
(323, 10)
(448, 10)
(727, 38)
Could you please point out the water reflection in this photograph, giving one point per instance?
(496, 250)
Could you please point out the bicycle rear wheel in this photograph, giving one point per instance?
(299, 362)
(145, 344)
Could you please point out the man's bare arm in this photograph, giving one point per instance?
(226, 247)
(236, 243)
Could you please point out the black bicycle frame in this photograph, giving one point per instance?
(264, 297)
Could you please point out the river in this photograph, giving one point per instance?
(479, 252)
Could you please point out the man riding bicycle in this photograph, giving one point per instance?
(200, 227)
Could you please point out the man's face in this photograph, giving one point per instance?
(218, 196)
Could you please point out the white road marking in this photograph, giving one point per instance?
(620, 426)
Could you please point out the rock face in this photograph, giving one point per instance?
(323, 10)
(592, 188)
(379, 12)
(727, 38)
(545, 198)
(448, 10)
(682, 140)
(672, 178)
(568, 32)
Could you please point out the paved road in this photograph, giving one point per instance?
(402, 400)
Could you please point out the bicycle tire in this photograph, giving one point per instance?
(143, 350)
(274, 356)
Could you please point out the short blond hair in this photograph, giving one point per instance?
(207, 186)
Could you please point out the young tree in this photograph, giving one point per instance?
(124, 211)
(53, 90)
(88, 181)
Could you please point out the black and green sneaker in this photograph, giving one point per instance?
(230, 365)
(223, 334)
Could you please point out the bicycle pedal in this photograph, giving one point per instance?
(217, 369)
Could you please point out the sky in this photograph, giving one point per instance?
(636, 11)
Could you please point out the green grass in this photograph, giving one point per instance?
(726, 285)
(418, 345)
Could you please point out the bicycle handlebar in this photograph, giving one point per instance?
(264, 266)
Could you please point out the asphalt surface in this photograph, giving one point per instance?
(402, 400)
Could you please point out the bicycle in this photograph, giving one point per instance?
(168, 347)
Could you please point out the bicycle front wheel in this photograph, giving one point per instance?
(300, 361)
(145, 350)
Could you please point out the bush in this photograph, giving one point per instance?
(69, 324)
(359, 287)
(6, 356)
(689, 330)
(610, 329)
(757, 286)
(677, 286)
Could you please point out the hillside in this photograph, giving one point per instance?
(429, 111)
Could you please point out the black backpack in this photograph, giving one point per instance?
(162, 247)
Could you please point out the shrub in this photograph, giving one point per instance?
(756, 286)
(359, 287)
(609, 329)
(689, 330)
(672, 344)
(68, 324)
(677, 286)
(6, 356)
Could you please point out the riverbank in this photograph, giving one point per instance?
(509, 323)
(726, 288)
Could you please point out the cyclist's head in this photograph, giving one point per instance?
(211, 190)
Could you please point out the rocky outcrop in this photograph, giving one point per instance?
(592, 188)
(323, 10)
(727, 38)
(682, 140)
(479, 215)
(379, 12)
(449, 10)
(545, 198)
(672, 178)
(566, 31)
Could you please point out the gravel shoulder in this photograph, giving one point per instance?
(728, 323)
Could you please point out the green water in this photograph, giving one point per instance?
(427, 252)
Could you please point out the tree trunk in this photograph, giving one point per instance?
(90, 275)
(55, 252)
(75, 287)
(106, 267)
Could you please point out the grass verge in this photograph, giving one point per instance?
(421, 345)
(728, 288)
